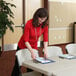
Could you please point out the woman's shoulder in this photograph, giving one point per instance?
(30, 21)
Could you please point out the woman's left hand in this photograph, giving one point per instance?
(45, 49)
(45, 55)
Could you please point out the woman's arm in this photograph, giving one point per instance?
(45, 49)
(30, 49)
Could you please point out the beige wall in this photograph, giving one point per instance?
(13, 37)
(61, 18)
(60, 36)
(61, 15)
(31, 6)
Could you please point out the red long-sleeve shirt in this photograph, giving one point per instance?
(31, 35)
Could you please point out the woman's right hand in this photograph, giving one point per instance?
(30, 49)
(33, 56)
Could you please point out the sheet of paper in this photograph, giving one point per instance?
(43, 60)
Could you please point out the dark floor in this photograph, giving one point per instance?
(7, 60)
(6, 63)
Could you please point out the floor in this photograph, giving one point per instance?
(6, 63)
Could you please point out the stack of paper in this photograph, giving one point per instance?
(43, 60)
(67, 56)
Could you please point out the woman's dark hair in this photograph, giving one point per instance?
(41, 12)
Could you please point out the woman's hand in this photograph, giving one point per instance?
(33, 55)
(30, 49)
(45, 49)
(45, 54)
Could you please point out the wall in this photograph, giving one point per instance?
(31, 7)
(13, 37)
(62, 14)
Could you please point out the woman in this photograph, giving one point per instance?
(34, 28)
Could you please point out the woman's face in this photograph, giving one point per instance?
(41, 20)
